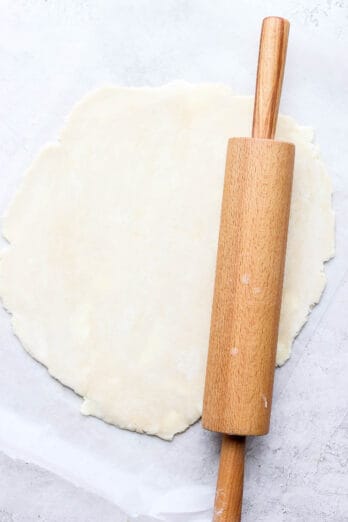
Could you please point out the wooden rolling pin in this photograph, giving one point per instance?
(249, 277)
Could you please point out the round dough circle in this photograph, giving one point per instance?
(113, 235)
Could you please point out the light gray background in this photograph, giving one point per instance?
(54, 52)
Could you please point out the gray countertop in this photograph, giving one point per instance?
(54, 52)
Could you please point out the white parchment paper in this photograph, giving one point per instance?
(40, 423)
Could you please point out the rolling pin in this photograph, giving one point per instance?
(249, 277)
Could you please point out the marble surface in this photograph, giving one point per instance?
(54, 52)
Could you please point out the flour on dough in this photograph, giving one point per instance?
(113, 234)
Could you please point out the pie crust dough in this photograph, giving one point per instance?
(113, 235)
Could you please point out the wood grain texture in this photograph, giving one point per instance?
(249, 277)
(229, 488)
(248, 286)
(270, 72)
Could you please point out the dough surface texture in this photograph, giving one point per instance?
(113, 234)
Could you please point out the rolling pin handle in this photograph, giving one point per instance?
(270, 73)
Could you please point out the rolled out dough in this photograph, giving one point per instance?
(113, 235)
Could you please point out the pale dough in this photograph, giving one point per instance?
(113, 234)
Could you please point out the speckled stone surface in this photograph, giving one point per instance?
(54, 52)
(29, 493)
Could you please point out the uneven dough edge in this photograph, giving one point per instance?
(284, 351)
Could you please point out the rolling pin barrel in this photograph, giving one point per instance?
(248, 286)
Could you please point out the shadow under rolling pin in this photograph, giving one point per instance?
(249, 277)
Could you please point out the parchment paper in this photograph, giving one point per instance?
(40, 423)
